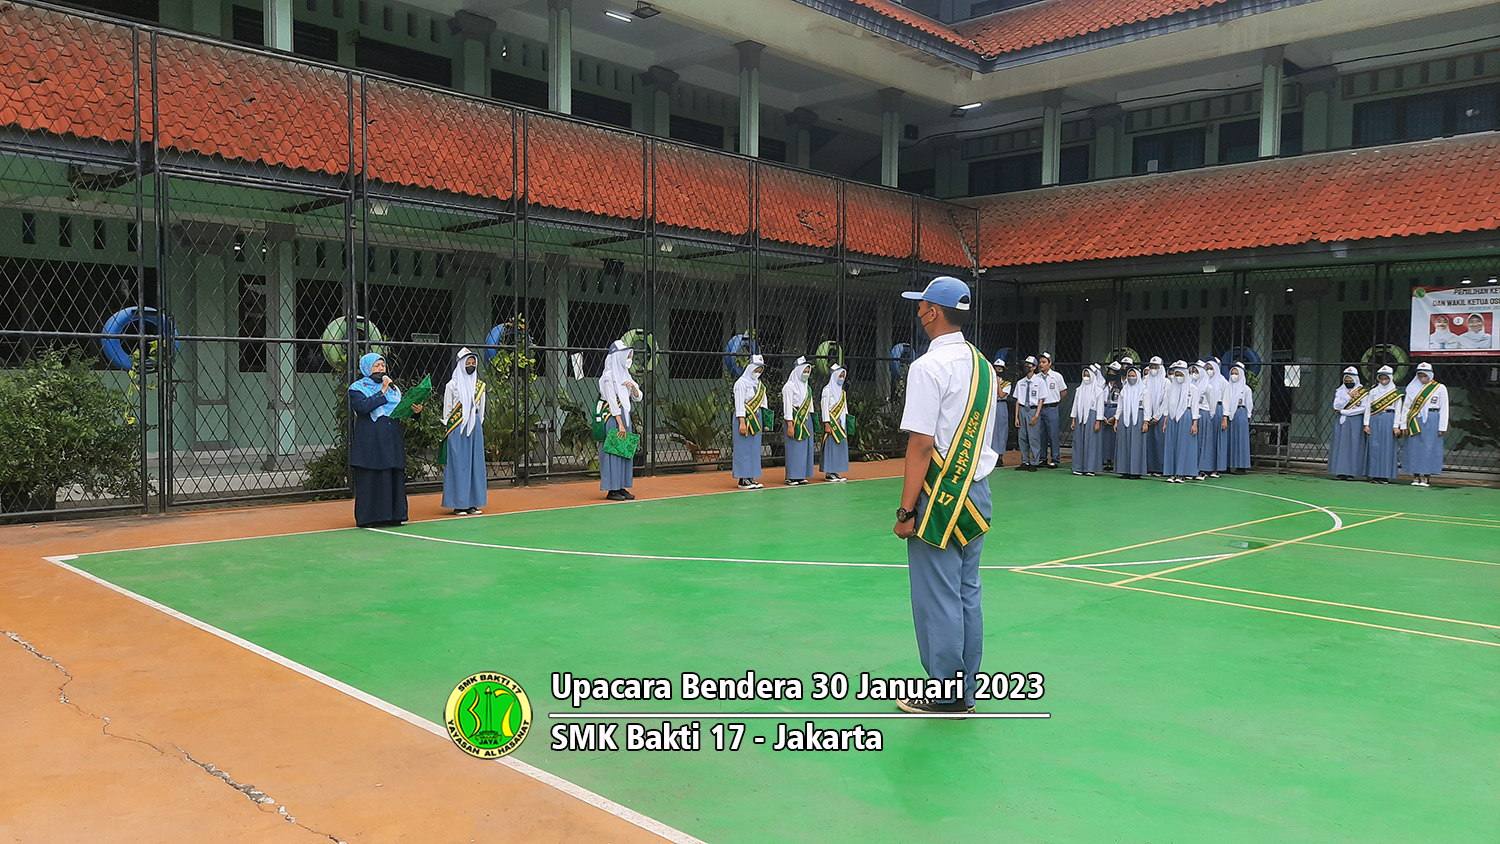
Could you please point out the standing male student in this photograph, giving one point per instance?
(1055, 390)
(1029, 391)
(945, 499)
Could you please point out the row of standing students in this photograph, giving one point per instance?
(1372, 423)
(1123, 421)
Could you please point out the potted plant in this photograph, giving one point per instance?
(576, 435)
(65, 427)
(695, 424)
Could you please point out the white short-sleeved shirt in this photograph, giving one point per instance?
(937, 393)
(1029, 390)
(1055, 387)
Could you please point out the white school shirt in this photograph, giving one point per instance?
(1398, 419)
(937, 393)
(1055, 387)
(1437, 402)
(1029, 390)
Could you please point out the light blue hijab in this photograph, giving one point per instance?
(368, 386)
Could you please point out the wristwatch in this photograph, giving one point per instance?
(904, 515)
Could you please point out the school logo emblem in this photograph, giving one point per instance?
(488, 715)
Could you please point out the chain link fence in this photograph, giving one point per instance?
(198, 241)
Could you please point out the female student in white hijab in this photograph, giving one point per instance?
(1130, 427)
(749, 400)
(1001, 438)
(797, 409)
(617, 389)
(1088, 413)
(1203, 407)
(1239, 406)
(1348, 451)
(1156, 430)
(1426, 424)
(1179, 413)
(464, 475)
(835, 407)
(1383, 420)
(1107, 436)
(1214, 442)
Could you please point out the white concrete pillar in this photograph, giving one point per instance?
(560, 56)
(658, 82)
(890, 137)
(473, 67)
(1270, 102)
(1051, 138)
(278, 24)
(749, 97)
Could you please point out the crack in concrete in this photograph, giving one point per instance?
(254, 794)
(62, 692)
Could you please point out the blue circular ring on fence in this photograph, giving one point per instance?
(152, 322)
(902, 354)
(1241, 354)
(503, 335)
(739, 344)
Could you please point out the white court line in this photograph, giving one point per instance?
(569, 788)
(782, 716)
(619, 556)
(1338, 524)
(465, 518)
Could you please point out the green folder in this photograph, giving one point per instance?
(623, 447)
(416, 395)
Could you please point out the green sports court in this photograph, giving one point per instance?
(1273, 658)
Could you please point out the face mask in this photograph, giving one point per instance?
(1348, 382)
(1155, 370)
(469, 368)
(804, 376)
(1132, 379)
(1178, 378)
(1194, 373)
(1234, 376)
(629, 362)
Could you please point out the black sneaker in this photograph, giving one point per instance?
(615, 495)
(928, 706)
(1024, 467)
(628, 495)
(746, 483)
(796, 481)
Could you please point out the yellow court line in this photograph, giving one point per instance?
(1407, 518)
(1330, 603)
(1264, 609)
(1366, 550)
(1372, 512)
(1254, 550)
(1168, 539)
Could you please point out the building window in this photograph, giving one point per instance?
(1180, 150)
(598, 109)
(1004, 175)
(697, 132)
(1239, 141)
(64, 231)
(521, 90)
(1427, 116)
(695, 343)
(28, 228)
(403, 61)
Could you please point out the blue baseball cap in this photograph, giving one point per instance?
(944, 290)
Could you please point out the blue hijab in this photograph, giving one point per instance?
(368, 386)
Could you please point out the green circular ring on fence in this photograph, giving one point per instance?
(336, 335)
(635, 335)
(829, 353)
(1385, 353)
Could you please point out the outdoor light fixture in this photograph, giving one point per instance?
(1210, 268)
(1467, 280)
(854, 271)
(645, 10)
(665, 246)
(1491, 281)
(1289, 290)
(961, 111)
(970, 106)
(619, 16)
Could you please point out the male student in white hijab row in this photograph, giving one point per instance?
(945, 497)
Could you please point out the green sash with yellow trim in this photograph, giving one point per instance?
(1357, 395)
(1384, 403)
(800, 429)
(950, 512)
(1413, 425)
(456, 418)
(835, 422)
(753, 422)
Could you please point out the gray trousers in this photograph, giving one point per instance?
(1051, 434)
(1029, 438)
(945, 599)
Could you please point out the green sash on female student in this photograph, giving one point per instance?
(1413, 424)
(456, 418)
(800, 429)
(950, 512)
(1384, 403)
(754, 424)
(835, 421)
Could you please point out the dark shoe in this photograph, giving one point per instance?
(1023, 467)
(927, 706)
(614, 495)
(628, 495)
(460, 512)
